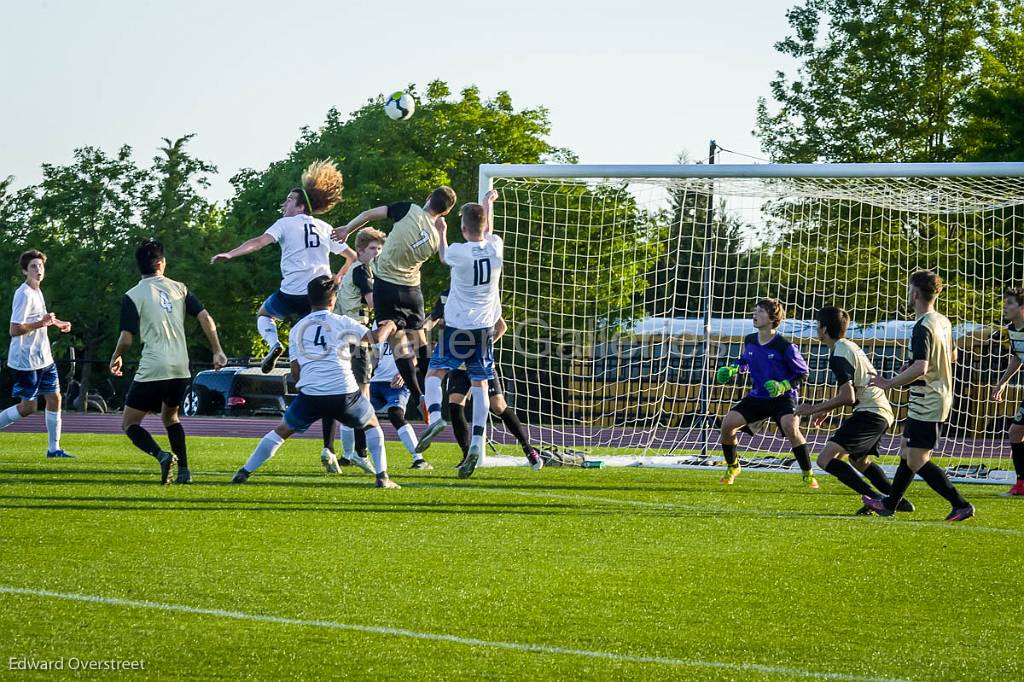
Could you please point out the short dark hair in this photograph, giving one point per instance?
(148, 255)
(441, 200)
(30, 256)
(473, 218)
(774, 308)
(1016, 293)
(834, 320)
(927, 283)
(320, 289)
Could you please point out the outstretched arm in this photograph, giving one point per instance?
(351, 227)
(245, 248)
(210, 329)
(488, 204)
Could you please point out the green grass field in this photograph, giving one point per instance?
(513, 574)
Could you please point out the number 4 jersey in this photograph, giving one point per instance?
(306, 246)
(474, 301)
(321, 343)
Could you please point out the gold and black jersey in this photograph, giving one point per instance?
(352, 292)
(411, 242)
(931, 396)
(849, 364)
(154, 310)
(1015, 341)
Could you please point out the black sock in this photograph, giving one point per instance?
(802, 457)
(396, 415)
(515, 427)
(329, 426)
(408, 372)
(902, 479)
(937, 479)
(1017, 450)
(360, 442)
(849, 477)
(876, 475)
(142, 439)
(176, 434)
(422, 365)
(460, 427)
(729, 450)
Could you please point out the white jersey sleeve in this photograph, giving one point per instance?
(474, 301)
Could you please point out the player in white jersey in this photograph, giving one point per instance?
(30, 358)
(472, 309)
(320, 348)
(306, 246)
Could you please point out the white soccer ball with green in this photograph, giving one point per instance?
(400, 106)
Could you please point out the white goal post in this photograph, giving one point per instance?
(626, 286)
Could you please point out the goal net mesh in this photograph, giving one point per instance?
(608, 284)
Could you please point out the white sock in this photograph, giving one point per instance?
(267, 329)
(408, 437)
(433, 397)
(52, 431)
(9, 416)
(265, 450)
(375, 444)
(348, 442)
(480, 404)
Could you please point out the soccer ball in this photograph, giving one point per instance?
(400, 106)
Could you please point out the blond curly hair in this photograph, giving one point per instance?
(321, 187)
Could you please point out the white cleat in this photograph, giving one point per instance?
(330, 462)
(387, 484)
(432, 432)
(357, 461)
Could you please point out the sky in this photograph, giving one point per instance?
(625, 82)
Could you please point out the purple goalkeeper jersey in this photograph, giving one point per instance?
(777, 360)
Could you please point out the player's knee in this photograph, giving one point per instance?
(27, 407)
(53, 402)
(397, 417)
(824, 457)
(498, 404)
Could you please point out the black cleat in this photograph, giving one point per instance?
(270, 361)
(241, 476)
(905, 505)
(865, 511)
(184, 476)
(167, 461)
(422, 465)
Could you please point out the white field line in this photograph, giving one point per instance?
(437, 637)
(961, 527)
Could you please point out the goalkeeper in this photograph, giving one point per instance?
(776, 370)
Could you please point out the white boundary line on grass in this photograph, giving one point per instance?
(452, 639)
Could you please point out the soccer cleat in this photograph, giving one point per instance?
(533, 457)
(421, 464)
(387, 484)
(961, 514)
(361, 462)
(810, 481)
(876, 505)
(865, 511)
(270, 361)
(184, 476)
(433, 431)
(330, 462)
(1016, 491)
(241, 476)
(905, 505)
(59, 454)
(167, 461)
(469, 465)
(731, 472)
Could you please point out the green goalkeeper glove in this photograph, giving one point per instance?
(776, 388)
(726, 374)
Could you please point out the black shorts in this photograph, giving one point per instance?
(1018, 418)
(759, 409)
(362, 364)
(860, 434)
(151, 396)
(458, 382)
(921, 434)
(401, 304)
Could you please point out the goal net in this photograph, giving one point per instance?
(626, 287)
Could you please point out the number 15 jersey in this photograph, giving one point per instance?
(474, 301)
(321, 343)
(305, 247)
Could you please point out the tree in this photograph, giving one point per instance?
(878, 80)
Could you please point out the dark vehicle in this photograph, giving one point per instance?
(237, 391)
